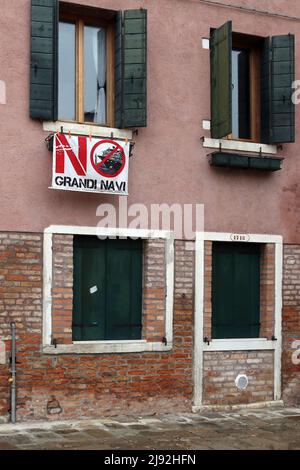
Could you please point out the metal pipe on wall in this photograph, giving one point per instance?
(13, 373)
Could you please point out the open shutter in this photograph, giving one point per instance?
(221, 87)
(43, 64)
(131, 69)
(278, 75)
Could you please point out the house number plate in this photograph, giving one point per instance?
(238, 237)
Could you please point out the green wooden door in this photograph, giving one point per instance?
(107, 297)
(235, 290)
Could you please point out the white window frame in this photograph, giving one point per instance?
(87, 130)
(104, 347)
(239, 145)
(231, 144)
(256, 344)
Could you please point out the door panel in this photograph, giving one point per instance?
(124, 289)
(236, 290)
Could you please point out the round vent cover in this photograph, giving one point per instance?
(241, 382)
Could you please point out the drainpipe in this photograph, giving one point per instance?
(12, 379)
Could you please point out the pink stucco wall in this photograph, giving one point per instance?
(169, 164)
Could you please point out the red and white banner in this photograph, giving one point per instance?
(91, 165)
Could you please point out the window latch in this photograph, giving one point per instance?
(207, 340)
(165, 341)
(274, 338)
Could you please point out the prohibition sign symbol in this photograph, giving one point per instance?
(108, 161)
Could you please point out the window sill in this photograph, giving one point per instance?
(252, 344)
(106, 347)
(239, 145)
(86, 129)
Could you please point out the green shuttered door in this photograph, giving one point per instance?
(278, 75)
(107, 298)
(221, 93)
(43, 65)
(131, 69)
(235, 290)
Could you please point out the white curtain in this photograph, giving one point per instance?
(99, 53)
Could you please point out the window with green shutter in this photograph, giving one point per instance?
(88, 65)
(235, 290)
(107, 289)
(251, 86)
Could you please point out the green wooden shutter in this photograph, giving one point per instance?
(107, 289)
(221, 86)
(131, 69)
(89, 289)
(278, 75)
(43, 64)
(235, 290)
(124, 289)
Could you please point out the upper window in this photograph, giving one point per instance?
(246, 56)
(85, 70)
(88, 65)
(252, 86)
(241, 117)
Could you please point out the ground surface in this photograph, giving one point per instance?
(274, 428)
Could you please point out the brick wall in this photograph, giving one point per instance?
(291, 323)
(207, 314)
(154, 290)
(222, 368)
(76, 386)
(62, 288)
(267, 290)
(20, 301)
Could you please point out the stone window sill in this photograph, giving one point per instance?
(252, 344)
(86, 129)
(106, 347)
(239, 145)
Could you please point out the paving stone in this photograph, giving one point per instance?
(277, 429)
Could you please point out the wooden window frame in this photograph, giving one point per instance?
(253, 45)
(86, 20)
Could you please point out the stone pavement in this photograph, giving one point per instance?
(263, 428)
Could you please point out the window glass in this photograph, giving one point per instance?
(241, 122)
(66, 71)
(95, 74)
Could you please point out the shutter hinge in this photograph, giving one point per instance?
(165, 341)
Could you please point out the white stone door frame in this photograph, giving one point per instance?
(236, 344)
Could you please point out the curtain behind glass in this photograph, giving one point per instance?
(95, 74)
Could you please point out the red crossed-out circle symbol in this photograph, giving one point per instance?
(112, 158)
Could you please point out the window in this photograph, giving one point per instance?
(88, 65)
(107, 289)
(85, 69)
(246, 56)
(236, 290)
(241, 116)
(251, 86)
